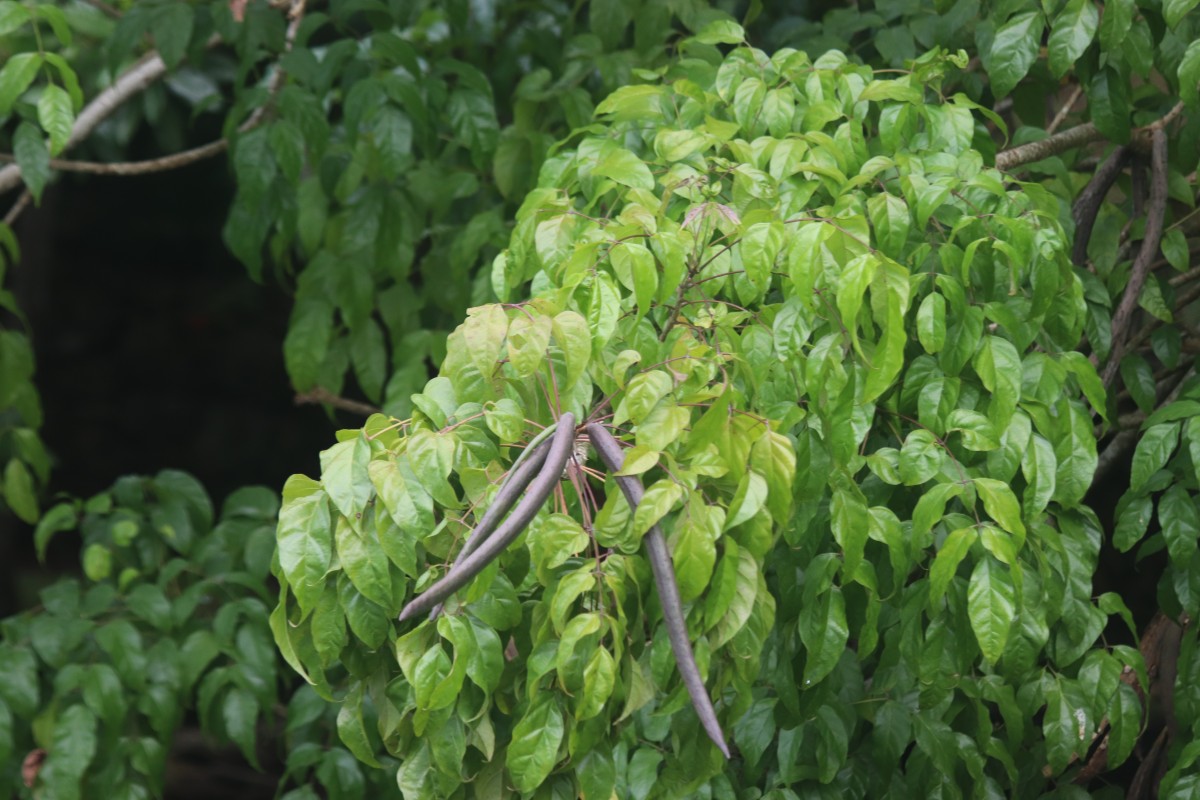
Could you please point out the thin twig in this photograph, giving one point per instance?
(1155, 213)
(319, 395)
(126, 168)
(561, 448)
(18, 207)
(1065, 109)
(668, 592)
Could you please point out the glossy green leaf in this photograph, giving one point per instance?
(1152, 452)
(991, 606)
(1071, 33)
(305, 540)
(1013, 51)
(535, 742)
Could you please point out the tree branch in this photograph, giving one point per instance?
(126, 168)
(135, 79)
(1050, 146)
(319, 395)
(668, 591)
(1155, 213)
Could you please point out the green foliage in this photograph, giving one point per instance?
(760, 266)
(852, 363)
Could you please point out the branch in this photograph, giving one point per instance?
(668, 592)
(126, 168)
(1087, 205)
(1155, 212)
(135, 79)
(1050, 146)
(561, 448)
(1066, 109)
(320, 395)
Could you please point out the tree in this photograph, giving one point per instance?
(852, 316)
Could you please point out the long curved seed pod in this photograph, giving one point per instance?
(668, 591)
(560, 450)
(519, 476)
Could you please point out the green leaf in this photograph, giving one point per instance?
(15, 77)
(553, 538)
(1180, 521)
(659, 499)
(1125, 721)
(1175, 10)
(19, 491)
(56, 115)
(1153, 451)
(951, 553)
(171, 27)
(364, 561)
(931, 322)
(352, 730)
(736, 596)
(19, 689)
(991, 606)
(920, 457)
(824, 631)
(721, 31)
(641, 395)
(97, 561)
(70, 753)
(833, 744)
(528, 338)
(1188, 72)
(239, 712)
(12, 16)
(1073, 30)
(694, 548)
(345, 477)
(535, 742)
(1115, 22)
(625, 168)
(849, 520)
(33, 158)
(1001, 504)
(573, 337)
(103, 694)
(305, 544)
(1108, 101)
(61, 517)
(1013, 51)
(748, 500)
(484, 332)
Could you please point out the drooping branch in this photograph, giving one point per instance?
(146, 166)
(561, 448)
(520, 475)
(1156, 210)
(1087, 205)
(319, 395)
(668, 591)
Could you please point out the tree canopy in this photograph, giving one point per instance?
(891, 313)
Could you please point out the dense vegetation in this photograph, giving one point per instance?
(885, 304)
